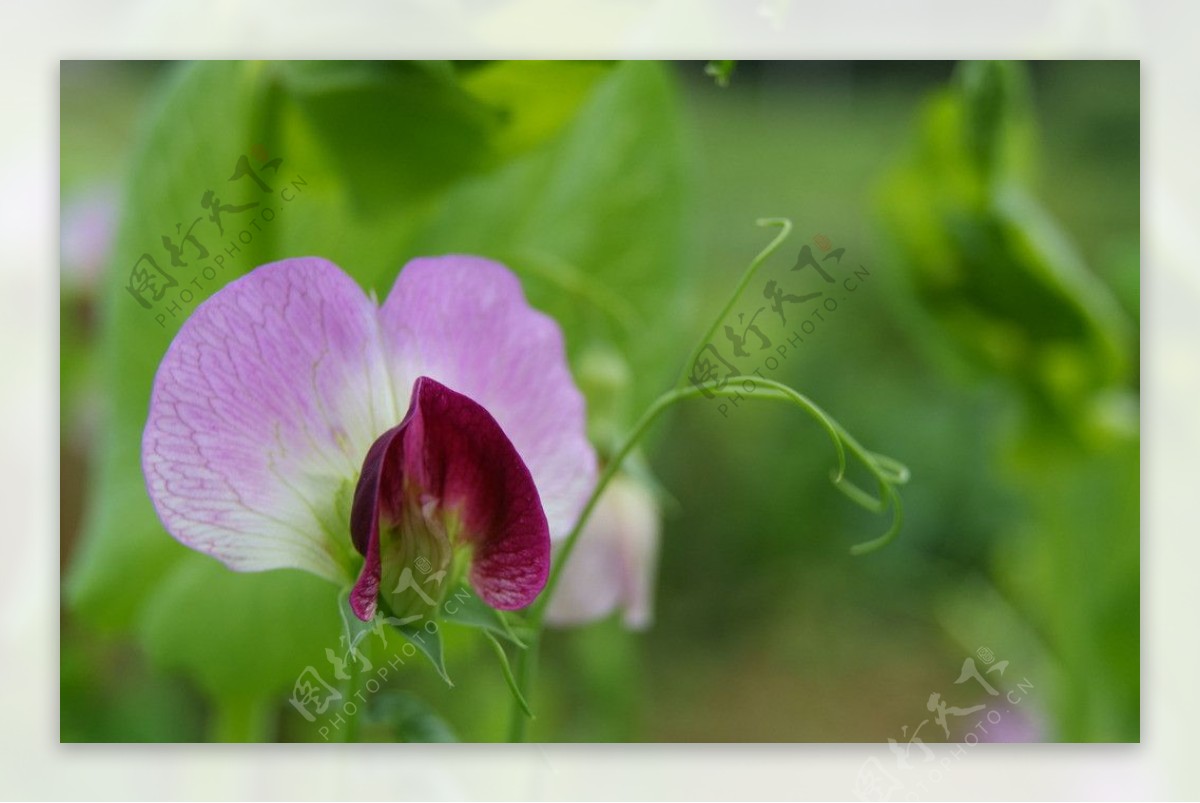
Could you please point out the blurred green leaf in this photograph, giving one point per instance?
(1005, 287)
(533, 100)
(393, 132)
(997, 125)
(240, 636)
(404, 717)
(989, 265)
(595, 220)
(1074, 570)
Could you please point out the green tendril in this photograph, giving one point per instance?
(859, 496)
(887, 472)
(893, 531)
(752, 269)
(896, 471)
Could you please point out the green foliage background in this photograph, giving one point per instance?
(994, 350)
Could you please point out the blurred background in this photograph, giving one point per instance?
(991, 215)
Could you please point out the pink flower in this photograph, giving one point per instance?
(278, 438)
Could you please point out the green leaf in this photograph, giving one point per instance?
(240, 636)
(463, 607)
(429, 643)
(534, 100)
(393, 131)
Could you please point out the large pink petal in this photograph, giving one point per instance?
(448, 459)
(262, 410)
(464, 321)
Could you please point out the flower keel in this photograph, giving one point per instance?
(446, 480)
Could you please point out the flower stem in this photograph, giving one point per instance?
(523, 676)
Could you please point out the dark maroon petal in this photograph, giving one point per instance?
(364, 521)
(451, 453)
